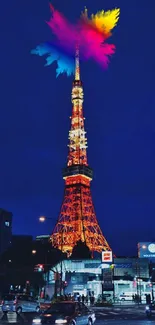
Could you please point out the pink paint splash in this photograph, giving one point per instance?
(91, 34)
(86, 32)
(65, 32)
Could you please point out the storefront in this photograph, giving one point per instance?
(130, 277)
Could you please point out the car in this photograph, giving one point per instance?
(19, 303)
(126, 297)
(66, 312)
(45, 304)
(150, 309)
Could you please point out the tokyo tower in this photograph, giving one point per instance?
(77, 219)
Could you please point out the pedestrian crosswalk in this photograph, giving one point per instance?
(12, 317)
(120, 313)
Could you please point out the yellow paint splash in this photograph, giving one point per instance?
(105, 21)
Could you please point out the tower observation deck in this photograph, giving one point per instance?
(77, 219)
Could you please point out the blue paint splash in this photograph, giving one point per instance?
(65, 62)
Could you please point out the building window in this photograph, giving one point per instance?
(7, 223)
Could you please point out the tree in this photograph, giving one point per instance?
(81, 251)
(17, 265)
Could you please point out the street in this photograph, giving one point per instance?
(123, 315)
(106, 322)
(132, 312)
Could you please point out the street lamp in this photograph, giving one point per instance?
(43, 219)
(34, 251)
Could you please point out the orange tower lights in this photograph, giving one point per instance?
(77, 219)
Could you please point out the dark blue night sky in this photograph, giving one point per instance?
(119, 108)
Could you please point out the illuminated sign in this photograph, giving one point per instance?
(146, 250)
(105, 266)
(151, 248)
(107, 284)
(107, 256)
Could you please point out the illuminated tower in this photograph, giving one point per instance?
(77, 219)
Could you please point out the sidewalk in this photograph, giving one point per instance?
(129, 304)
(120, 306)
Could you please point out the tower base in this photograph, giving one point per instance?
(77, 221)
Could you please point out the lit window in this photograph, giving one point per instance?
(7, 223)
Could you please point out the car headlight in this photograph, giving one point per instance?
(60, 321)
(147, 308)
(36, 321)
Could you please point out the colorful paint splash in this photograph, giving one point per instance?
(103, 21)
(91, 35)
(65, 63)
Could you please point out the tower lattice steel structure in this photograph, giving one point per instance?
(77, 219)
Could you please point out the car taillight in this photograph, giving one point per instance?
(15, 301)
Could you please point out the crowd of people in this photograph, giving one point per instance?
(137, 298)
(88, 300)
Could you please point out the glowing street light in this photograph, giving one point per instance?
(42, 219)
(34, 251)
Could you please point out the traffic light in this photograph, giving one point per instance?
(64, 284)
(39, 268)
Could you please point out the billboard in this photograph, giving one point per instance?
(146, 250)
(107, 257)
(107, 284)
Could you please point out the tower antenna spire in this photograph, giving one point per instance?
(77, 63)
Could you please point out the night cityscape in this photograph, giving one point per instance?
(77, 243)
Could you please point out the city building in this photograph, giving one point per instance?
(130, 277)
(77, 220)
(5, 230)
(44, 239)
(147, 250)
(21, 240)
